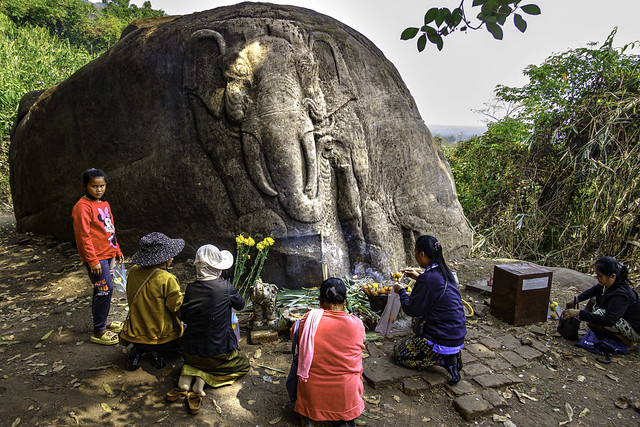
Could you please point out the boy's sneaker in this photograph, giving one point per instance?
(133, 361)
(158, 360)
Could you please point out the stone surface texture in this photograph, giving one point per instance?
(253, 118)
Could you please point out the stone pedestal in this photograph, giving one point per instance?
(263, 336)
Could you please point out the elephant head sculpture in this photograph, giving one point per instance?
(270, 90)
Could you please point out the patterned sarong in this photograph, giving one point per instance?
(416, 353)
(219, 370)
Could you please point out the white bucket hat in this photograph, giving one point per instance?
(210, 257)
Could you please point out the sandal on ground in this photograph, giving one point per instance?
(115, 326)
(175, 394)
(107, 338)
(193, 402)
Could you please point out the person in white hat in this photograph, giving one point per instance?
(154, 298)
(210, 347)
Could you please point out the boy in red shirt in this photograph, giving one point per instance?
(95, 235)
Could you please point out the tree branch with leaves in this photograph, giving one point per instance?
(440, 22)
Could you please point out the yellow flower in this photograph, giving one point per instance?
(240, 239)
(248, 256)
(250, 241)
(269, 241)
(260, 246)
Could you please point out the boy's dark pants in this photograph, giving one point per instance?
(102, 290)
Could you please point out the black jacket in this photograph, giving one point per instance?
(618, 301)
(207, 312)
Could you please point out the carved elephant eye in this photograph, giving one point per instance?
(241, 70)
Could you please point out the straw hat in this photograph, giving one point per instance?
(156, 248)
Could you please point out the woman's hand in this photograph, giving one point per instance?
(410, 273)
(570, 304)
(570, 313)
(397, 287)
(96, 270)
(120, 259)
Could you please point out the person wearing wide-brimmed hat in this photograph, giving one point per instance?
(210, 347)
(154, 299)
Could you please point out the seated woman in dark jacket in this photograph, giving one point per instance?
(210, 346)
(617, 307)
(440, 326)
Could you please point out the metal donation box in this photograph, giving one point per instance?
(520, 293)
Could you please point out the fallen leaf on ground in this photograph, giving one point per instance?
(80, 343)
(581, 378)
(59, 330)
(569, 410)
(622, 402)
(368, 415)
(99, 368)
(275, 421)
(106, 407)
(267, 379)
(612, 377)
(75, 418)
(58, 368)
(507, 394)
(14, 357)
(519, 396)
(272, 369)
(31, 357)
(584, 413)
(107, 388)
(426, 419)
(251, 402)
(162, 419)
(216, 406)
(374, 400)
(257, 354)
(396, 398)
(361, 423)
(500, 418)
(16, 422)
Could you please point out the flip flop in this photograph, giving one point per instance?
(175, 394)
(115, 326)
(193, 402)
(107, 338)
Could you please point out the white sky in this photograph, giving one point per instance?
(449, 84)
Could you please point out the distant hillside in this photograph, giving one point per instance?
(453, 134)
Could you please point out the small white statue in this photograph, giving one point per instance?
(263, 297)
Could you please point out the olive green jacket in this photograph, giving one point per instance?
(154, 313)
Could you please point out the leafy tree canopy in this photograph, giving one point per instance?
(440, 22)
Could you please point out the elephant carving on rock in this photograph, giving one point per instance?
(253, 118)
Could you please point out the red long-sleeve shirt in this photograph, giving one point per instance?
(94, 230)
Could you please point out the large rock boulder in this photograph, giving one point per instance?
(254, 118)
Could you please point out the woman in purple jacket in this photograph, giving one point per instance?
(435, 302)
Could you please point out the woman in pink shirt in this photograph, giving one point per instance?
(330, 365)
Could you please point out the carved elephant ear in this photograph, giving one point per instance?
(203, 74)
(335, 81)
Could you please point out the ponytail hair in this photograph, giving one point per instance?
(333, 291)
(609, 266)
(433, 249)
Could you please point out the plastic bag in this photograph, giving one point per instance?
(120, 278)
(234, 324)
(389, 314)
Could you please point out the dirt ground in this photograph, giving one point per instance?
(50, 374)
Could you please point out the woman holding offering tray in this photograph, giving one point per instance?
(435, 302)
